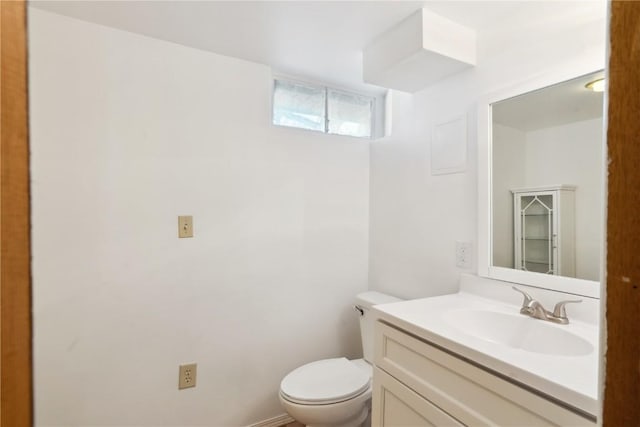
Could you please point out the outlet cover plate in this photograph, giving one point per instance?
(187, 376)
(463, 255)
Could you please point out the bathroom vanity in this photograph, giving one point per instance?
(464, 359)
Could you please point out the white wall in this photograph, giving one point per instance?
(576, 160)
(415, 218)
(566, 154)
(129, 132)
(509, 172)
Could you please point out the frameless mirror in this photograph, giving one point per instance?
(545, 180)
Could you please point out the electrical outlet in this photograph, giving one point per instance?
(187, 376)
(463, 255)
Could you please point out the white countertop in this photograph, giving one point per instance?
(570, 379)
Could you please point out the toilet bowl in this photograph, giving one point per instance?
(329, 392)
(335, 392)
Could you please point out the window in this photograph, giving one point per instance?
(299, 106)
(322, 109)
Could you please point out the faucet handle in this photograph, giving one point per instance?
(559, 310)
(527, 299)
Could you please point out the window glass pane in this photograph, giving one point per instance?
(299, 105)
(349, 114)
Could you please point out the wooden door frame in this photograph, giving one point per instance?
(16, 393)
(621, 404)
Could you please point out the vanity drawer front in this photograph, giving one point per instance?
(395, 404)
(470, 394)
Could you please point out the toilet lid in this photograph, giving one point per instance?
(325, 381)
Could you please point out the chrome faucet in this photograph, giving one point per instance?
(533, 308)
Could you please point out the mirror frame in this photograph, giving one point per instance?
(582, 287)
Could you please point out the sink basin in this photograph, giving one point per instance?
(519, 332)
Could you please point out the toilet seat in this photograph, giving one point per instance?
(325, 382)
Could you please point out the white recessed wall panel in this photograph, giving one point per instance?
(449, 147)
(419, 51)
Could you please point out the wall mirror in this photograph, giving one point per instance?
(542, 194)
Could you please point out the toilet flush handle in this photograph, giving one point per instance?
(359, 310)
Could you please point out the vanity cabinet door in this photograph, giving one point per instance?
(468, 393)
(395, 405)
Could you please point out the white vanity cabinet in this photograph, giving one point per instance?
(418, 384)
(544, 230)
(398, 405)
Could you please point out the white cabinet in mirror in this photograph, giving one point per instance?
(541, 175)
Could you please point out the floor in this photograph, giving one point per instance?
(294, 424)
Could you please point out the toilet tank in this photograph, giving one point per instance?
(364, 302)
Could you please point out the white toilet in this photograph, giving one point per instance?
(335, 392)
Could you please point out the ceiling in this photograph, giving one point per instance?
(312, 40)
(561, 104)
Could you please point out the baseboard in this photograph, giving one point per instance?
(278, 421)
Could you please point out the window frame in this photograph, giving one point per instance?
(325, 89)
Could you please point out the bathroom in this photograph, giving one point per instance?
(141, 112)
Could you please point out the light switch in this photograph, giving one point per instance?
(185, 226)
